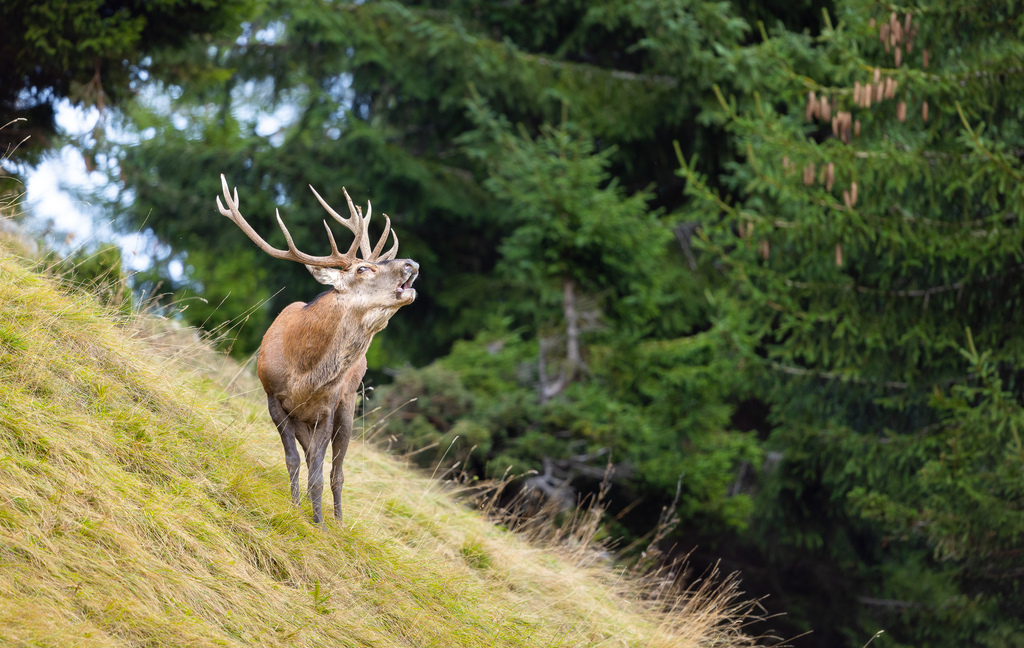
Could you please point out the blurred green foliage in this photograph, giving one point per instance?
(96, 53)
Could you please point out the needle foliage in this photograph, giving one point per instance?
(874, 228)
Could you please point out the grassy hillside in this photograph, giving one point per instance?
(144, 502)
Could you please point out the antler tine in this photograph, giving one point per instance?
(288, 238)
(375, 255)
(330, 236)
(393, 252)
(364, 246)
(292, 253)
(354, 223)
(364, 223)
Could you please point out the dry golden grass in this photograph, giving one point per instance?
(144, 502)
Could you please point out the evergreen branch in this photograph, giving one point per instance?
(889, 603)
(924, 220)
(438, 26)
(917, 292)
(831, 375)
(981, 147)
(619, 75)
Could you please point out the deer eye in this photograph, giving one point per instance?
(363, 269)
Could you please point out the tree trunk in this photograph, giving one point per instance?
(573, 357)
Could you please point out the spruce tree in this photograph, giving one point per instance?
(875, 231)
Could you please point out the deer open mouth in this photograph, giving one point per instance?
(409, 277)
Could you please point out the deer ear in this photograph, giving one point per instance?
(327, 276)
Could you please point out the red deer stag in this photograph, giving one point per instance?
(313, 356)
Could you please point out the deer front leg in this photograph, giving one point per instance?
(286, 428)
(343, 416)
(315, 464)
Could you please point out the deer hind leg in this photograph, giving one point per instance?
(286, 428)
(315, 453)
(343, 416)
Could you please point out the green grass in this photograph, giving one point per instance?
(144, 502)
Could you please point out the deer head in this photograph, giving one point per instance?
(313, 356)
(346, 273)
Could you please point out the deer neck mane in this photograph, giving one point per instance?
(330, 335)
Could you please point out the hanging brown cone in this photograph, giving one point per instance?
(897, 33)
(839, 255)
(763, 249)
(901, 111)
(906, 22)
(830, 176)
(890, 87)
(899, 57)
(924, 59)
(809, 174)
(742, 230)
(853, 194)
(877, 92)
(924, 111)
(812, 106)
(785, 162)
(856, 128)
(877, 76)
(835, 125)
(846, 199)
(856, 93)
(825, 109)
(883, 35)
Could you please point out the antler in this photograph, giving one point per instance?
(357, 223)
(364, 234)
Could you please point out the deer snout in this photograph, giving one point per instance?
(410, 270)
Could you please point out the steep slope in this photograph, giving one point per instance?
(143, 502)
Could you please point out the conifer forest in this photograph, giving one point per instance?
(749, 271)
